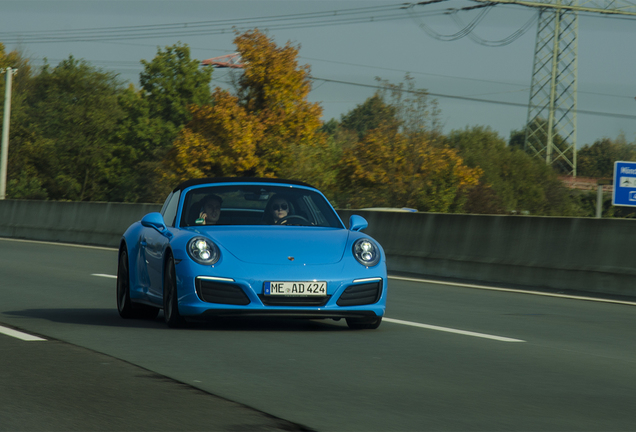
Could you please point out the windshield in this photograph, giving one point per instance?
(257, 205)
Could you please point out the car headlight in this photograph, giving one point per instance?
(366, 252)
(203, 251)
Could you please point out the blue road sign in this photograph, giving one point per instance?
(624, 184)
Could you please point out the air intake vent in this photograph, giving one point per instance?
(222, 293)
(361, 294)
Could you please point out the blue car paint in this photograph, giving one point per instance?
(251, 255)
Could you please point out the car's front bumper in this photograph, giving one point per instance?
(358, 292)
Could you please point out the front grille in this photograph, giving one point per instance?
(361, 294)
(222, 293)
(293, 301)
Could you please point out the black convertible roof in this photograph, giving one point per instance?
(194, 182)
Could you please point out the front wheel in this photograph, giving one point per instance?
(170, 298)
(364, 323)
(125, 306)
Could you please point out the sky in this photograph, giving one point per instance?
(347, 44)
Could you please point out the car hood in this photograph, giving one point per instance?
(282, 244)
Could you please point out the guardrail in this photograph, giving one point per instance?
(582, 254)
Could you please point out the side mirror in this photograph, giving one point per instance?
(357, 223)
(154, 220)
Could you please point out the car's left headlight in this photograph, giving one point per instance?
(203, 251)
(366, 252)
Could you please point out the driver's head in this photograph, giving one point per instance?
(280, 208)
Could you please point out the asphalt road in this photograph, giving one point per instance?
(448, 358)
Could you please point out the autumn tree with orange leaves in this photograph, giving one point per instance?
(398, 159)
(390, 169)
(255, 131)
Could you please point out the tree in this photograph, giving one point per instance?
(256, 130)
(221, 140)
(598, 159)
(170, 85)
(539, 128)
(65, 133)
(390, 169)
(415, 112)
(23, 179)
(371, 114)
(395, 158)
(318, 164)
(513, 181)
(21, 81)
(172, 82)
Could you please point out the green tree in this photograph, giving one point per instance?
(171, 83)
(21, 82)
(65, 134)
(538, 127)
(513, 181)
(23, 179)
(319, 162)
(597, 160)
(371, 114)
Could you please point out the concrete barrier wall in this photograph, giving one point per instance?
(559, 253)
(93, 223)
(581, 254)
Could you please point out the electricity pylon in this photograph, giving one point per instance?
(551, 126)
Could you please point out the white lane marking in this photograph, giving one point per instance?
(104, 275)
(20, 335)
(450, 330)
(484, 287)
(512, 290)
(414, 324)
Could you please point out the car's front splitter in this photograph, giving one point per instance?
(286, 313)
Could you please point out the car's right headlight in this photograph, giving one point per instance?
(203, 251)
(366, 252)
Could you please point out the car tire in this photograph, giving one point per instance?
(126, 308)
(364, 323)
(124, 304)
(170, 298)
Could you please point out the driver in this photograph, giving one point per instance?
(279, 209)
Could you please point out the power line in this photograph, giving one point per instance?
(521, 87)
(137, 66)
(479, 100)
(193, 24)
(204, 28)
(289, 21)
(275, 22)
(468, 29)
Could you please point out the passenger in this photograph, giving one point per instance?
(210, 210)
(277, 209)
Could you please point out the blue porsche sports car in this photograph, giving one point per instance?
(250, 247)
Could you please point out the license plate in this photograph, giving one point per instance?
(300, 289)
